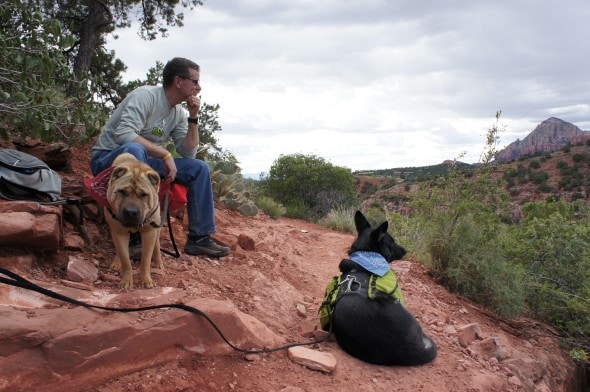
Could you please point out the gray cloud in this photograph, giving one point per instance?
(379, 83)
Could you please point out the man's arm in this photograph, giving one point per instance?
(156, 151)
(191, 140)
(152, 149)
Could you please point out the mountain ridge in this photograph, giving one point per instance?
(549, 136)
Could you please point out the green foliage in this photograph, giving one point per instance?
(535, 164)
(541, 264)
(89, 23)
(539, 177)
(375, 214)
(340, 219)
(229, 189)
(209, 123)
(581, 157)
(308, 186)
(552, 243)
(297, 210)
(368, 188)
(39, 96)
(563, 167)
(406, 230)
(270, 207)
(421, 174)
(65, 41)
(153, 77)
(461, 229)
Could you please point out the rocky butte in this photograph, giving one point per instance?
(551, 135)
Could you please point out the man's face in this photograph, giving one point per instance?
(190, 84)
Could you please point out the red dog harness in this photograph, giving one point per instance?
(97, 189)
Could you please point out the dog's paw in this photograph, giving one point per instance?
(157, 264)
(126, 282)
(147, 282)
(115, 265)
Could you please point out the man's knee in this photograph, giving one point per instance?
(190, 170)
(195, 166)
(137, 150)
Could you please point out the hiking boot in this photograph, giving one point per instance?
(135, 246)
(205, 246)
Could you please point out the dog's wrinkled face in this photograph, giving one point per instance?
(375, 240)
(133, 192)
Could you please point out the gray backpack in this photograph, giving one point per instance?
(25, 177)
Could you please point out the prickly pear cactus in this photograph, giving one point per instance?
(229, 189)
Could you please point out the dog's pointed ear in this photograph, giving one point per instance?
(361, 222)
(380, 232)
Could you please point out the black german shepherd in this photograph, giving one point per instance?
(380, 330)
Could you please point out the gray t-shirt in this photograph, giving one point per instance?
(146, 112)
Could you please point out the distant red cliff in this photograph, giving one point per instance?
(551, 135)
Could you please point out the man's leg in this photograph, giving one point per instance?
(104, 159)
(194, 174)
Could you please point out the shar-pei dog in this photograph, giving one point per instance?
(132, 194)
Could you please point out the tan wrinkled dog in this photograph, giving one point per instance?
(133, 196)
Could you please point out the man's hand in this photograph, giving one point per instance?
(170, 168)
(193, 104)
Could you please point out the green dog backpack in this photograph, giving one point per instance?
(25, 177)
(376, 286)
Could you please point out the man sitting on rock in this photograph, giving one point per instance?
(147, 118)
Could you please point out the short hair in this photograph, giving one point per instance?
(178, 66)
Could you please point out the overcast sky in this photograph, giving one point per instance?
(378, 84)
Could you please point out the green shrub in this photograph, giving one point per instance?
(580, 157)
(368, 188)
(535, 164)
(514, 192)
(297, 211)
(340, 219)
(463, 252)
(552, 244)
(308, 184)
(539, 177)
(406, 231)
(270, 207)
(461, 234)
(375, 214)
(545, 188)
(40, 96)
(564, 168)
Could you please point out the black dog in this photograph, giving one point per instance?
(368, 320)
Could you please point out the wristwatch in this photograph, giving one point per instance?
(193, 120)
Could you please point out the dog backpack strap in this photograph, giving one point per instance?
(330, 297)
(386, 284)
(372, 286)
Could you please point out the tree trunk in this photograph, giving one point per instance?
(89, 37)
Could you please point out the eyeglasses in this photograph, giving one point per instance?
(195, 81)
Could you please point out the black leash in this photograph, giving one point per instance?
(18, 281)
(176, 253)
